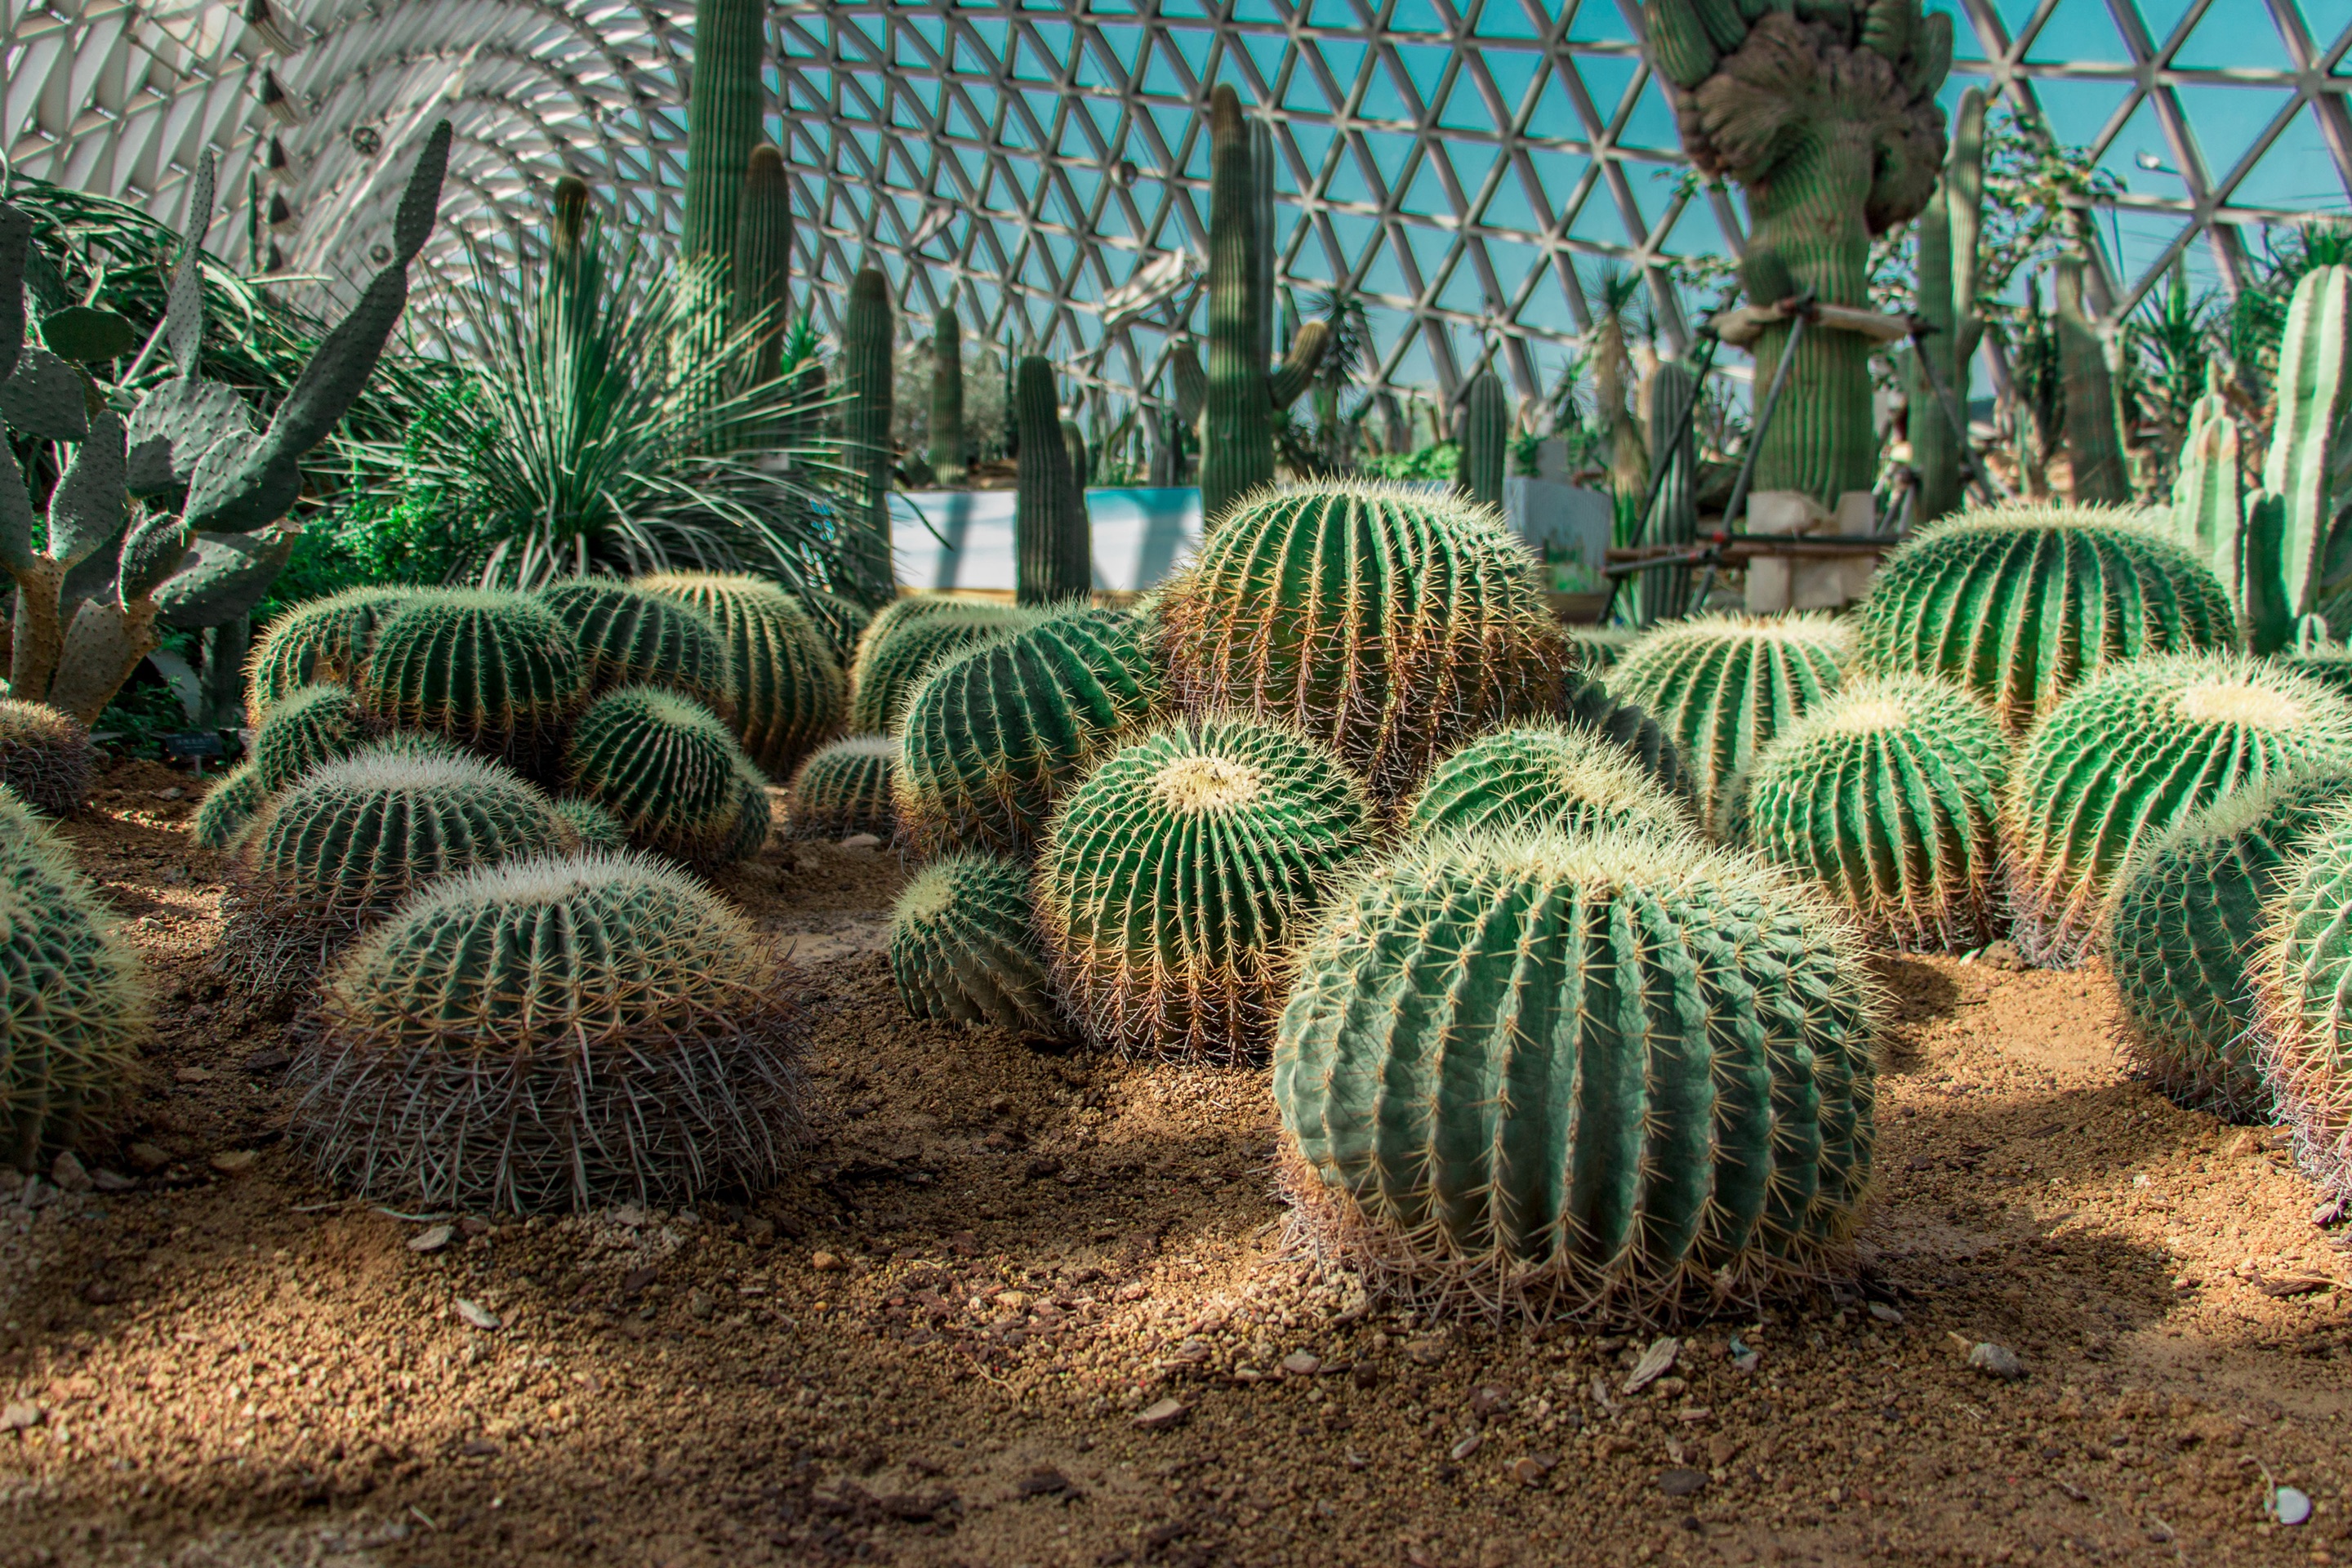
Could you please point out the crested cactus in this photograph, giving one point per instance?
(1949, 227)
(72, 1009)
(866, 335)
(45, 756)
(898, 650)
(964, 947)
(2300, 971)
(1616, 1078)
(788, 693)
(2132, 753)
(229, 807)
(497, 672)
(1391, 624)
(994, 734)
(315, 725)
(2019, 603)
(666, 767)
(2095, 445)
(1564, 777)
(562, 1032)
(1724, 686)
(844, 789)
(1888, 796)
(1174, 874)
(1486, 439)
(947, 396)
(1052, 540)
(2188, 917)
(317, 642)
(593, 827)
(630, 637)
(1827, 116)
(1587, 703)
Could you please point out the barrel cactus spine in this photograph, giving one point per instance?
(898, 650)
(229, 807)
(313, 725)
(2301, 969)
(845, 789)
(46, 756)
(630, 637)
(789, 693)
(1587, 703)
(496, 672)
(316, 642)
(666, 767)
(1558, 776)
(841, 622)
(593, 827)
(964, 947)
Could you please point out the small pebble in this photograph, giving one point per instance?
(1682, 1482)
(231, 1160)
(19, 1415)
(433, 1239)
(479, 1316)
(1162, 1413)
(1302, 1363)
(1884, 1313)
(70, 1174)
(861, 841)
(823, 1262)
(1996, 1360)
(2290, 1506)
(148, 1157)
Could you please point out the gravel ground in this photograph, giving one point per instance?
(934, 1344)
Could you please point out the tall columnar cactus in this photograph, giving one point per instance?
(1724, 686)
(897, 650)
(630, 636)
(497, 672)
(1486, 439)
(2094, 445)
(1564, 777)
(1244, 396)
(789, 693)
(316, 642)
(2186, 919)
(1391, 624)
(229, 807)
(1176, 872)
(2298, 527)
(316, 725)
(665, 766)
(993, 734)
(1052, 543)
(1888, 796)
(724, 107)
(45, 756)
(564, 1032)
(964, 947)
(1949, 227)
(2301, 971)
(1826, 114)
(867, 334)
(2133, 751)
(2207, 504)
(2019, 603)
(947, 396)
(845, 789)
(1613, 1078)
(1663, 594)
(760, 278)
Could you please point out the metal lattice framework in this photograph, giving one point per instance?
(1461, 166)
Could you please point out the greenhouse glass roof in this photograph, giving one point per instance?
(1462, 167)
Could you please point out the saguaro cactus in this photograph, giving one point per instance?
(2094, 445)
(1054, 548)
(947, 396)
(1948, 229)
(1486, 435)
(865, 336)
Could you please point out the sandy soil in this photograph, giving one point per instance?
(931, 1345)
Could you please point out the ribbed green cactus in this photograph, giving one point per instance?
(993, 734)
(228, 806)
(2019, 603)
(1587, 703)
(2301, 969)
(964, 946)
(2133, 751)
(1486, 439)
(2095, 445)
(841, 622)
(2208, 503)
(897, 650)
(2298, 527)
(946, 397)
(1174, 874)
(788, 693)
(2330, 665)
(317, 642)
(591, 824)
(665, 766)
(754, 814)
(564, 1032)
(630, 636)
(1600, 647)
(314, 725)
(1663, 592)
(72, 1009)
(1614, 1078)
(45, 756)
(496, 672)
(845, 789)
(868, 336)
(2186, 920)
(1950, 226)
(1724, 686)
(1391, 624)
(724, 104)
(760, 278)
(1542, 776)
(1889, 795)
(1052, 543)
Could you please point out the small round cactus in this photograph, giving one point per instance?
(2132, 753)
(228, 806)
(2019, 603)
(1618, 1077)
(45, 756)
(1723, 685)
(558, 1032)
(592, 825)
(995, 732)
(2185, 920)
(666, 767)
(72, 1009)
(494, 672)
(902, 644)
(964, 946)
(2301, 973)
(317, 642)
(788, 693)
(1174, 874)
(1389, 623)
(1889, 795)
(1542, 775)
(307, 727)
(755, 814)
(632, 638)
(845, 789)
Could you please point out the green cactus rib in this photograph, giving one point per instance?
(760, 278)
(314, 725)
(497, 672)
(630, 637)
(666, 768)
(789, 694)
(845, 789)
(2187, 918)
(1946, 270)
(560, 1033)
(316, 642)
(1673, 518)
(2300, 972)
(1486, 439)
(2305, 466)
(2133, 751)
(1565, 777)
(841, 622)
(994, 734)
(2019, 603)
(73, 1010)
(724, 107)
(1173, 875)
(46, 756)
(1053, 544)
(2208, 503)
(1888, 796)
(1600, 647)
(754, 814)
(964, 947)
(903, 643)
(868, 335)
(229, 807)
(1391, 625)
(1724, 686)
(1587, 703)
(947, 396)
(1611, 1078)
(2095, 445)
(593, 827)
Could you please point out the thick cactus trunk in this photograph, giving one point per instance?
(947, 396)
(1237, 455)
(2094, 441)
(1485, 434)
(1053, 545)
(722, 121)
(1946, 270)
(1811, 214)
(866, 367)
(1665, 594)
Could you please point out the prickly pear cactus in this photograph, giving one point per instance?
(45, 756)
(666, 767)
(845, 789)
(1542, 775)
(964, 947)
(2301, 968)
(632, 638)
(899, 649)
(1614, 1078)
(789, 693)
(316, 643)
(314, 725)
(229, 807)
(494, 672)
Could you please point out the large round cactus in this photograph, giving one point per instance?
(317, 642)
(71, 1006)
(228, 806)
(1174, 874)
(964, 946)
(845, 789)
(1587, 703)
(1618, 1077)
(1542, 775)
(2183, 924)
(307, 727)
(1723, 685)
(903, 643)
(789, 693)
(45, 756)
(2020, 603)
(563, 1032)
(994, 734)
(2131, 753)
(1888, 795)
(633, 638)
(2302, 972)
(1389, 623)
(666, 767)
(494, 672)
